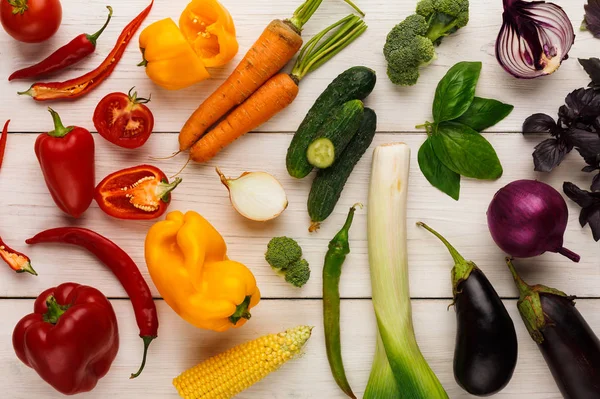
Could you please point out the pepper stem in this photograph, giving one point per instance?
(59, 129)
(241, 312)
(462, 268)
(147, 340)
(54, 310)
(340, 240)
(94, 38)
(163, 190)
(27, 268)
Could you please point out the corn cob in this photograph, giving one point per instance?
(231, 372)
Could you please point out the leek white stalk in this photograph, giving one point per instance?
(399, 369)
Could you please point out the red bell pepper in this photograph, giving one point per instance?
(70, 339)
(142, 192)
(17, 261)
(66, 156)
(123, 267)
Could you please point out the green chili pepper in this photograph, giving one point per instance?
(332, 271)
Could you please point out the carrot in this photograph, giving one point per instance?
(272, 97)
(279, 91)
(276, 46)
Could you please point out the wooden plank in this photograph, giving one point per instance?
(400, 109)
(28, 209)
(180, 346)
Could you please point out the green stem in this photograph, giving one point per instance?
(94, 38)
(163, 191)
(147, 340)
(54, 310)
(133, 98)
(530, 304)
(462, 268)
(19, 6)
(241, 312)
(303, 13)
(59, 129)
(317, 52)
(27, 268)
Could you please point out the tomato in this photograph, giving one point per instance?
(124, 119)
(30, 21)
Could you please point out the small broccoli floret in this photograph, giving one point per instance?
(444, 17)
(410, 44)
(282, 252)
(298, 273)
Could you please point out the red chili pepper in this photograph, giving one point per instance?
(66, 156)
(123, 267)
(139, 193)
(3, 141)
(70, 339)
(84, 84)
(69, 54)
(17, 261)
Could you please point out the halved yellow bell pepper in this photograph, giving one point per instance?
(187, 261)
(209, 28)
(169, 59)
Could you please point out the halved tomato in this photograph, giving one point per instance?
(124, 119)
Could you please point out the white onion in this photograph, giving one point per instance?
(256, 195)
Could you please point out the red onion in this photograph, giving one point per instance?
(527, 218)
(534, 39)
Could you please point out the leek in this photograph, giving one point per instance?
(399, 369)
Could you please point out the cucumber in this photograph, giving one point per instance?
(354, 84)
(335, 134)
(329, 183)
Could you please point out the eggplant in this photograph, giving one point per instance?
(568, 344)
(486, 351)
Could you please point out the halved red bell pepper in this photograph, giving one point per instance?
(142, 192)
(70, 339)
(17, 261)
(3, 141)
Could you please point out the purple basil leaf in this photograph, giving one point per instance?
(587, 143)
(539, 123)
(592, 17)
(549, 154)
(583, 198)
(592, 67)
(581, 108)
(589, 169)
(591, 216)
(596, 183)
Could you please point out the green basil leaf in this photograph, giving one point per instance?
(484, 113)
(437, 173)
(465, 151)
(455, 92)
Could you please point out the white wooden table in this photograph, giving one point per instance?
(26, 207)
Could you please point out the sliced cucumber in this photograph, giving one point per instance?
(321, 153)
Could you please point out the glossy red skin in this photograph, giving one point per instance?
(68, 166)
(121, 264)
(3, 141)
(69, 54)
(78, 350)
(39, 22)
(112, 116)
(113, 201)
(80, 86)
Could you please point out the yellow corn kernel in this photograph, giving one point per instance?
(226, 375)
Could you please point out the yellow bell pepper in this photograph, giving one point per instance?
(169, 59)
(209, 28)
(187, 260)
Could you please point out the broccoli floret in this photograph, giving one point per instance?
(298, 273)
(282, 252)
(444, 17)
(410, 44)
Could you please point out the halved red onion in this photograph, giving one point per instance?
(535, 38)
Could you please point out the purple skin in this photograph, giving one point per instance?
(527, 218)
